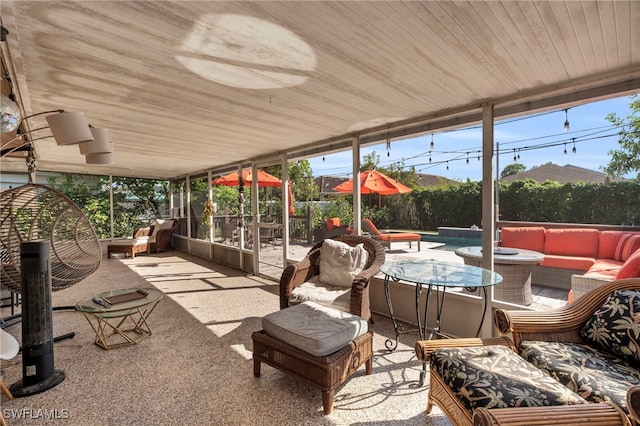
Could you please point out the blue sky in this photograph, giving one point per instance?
(594, 138)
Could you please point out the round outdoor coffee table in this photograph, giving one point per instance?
(515, 266)
(119, 317)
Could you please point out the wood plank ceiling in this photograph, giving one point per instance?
(189, 86)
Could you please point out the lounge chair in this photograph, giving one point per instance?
(388, 237)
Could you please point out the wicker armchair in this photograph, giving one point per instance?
(162, 240)
(560, 325)
(301, 272)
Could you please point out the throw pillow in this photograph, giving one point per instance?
(631, 267)
(340, 262)
(627, 245)
(615, 326)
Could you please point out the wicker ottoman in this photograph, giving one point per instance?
(326, 372)
(127, 247)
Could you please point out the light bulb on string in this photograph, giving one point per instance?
(478, 155)
(566, 119)
(467, 158)
(388, 143)
(429, 156)
(447, 164)
(432, 145)
(323, 158)
(518, 154)
(574, 150)
(565, 148)
(514, 155)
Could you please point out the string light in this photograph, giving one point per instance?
(388, 143)
(467, 158)
(323, 158)
(478, 155)
(514, 155)
(518, 154)
(574, 150)
(447, 164)
(432, 145)
(566, 119)
(429, 156)
(565, 148)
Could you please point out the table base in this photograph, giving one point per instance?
(110, 327)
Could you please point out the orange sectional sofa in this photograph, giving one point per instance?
(585, 252)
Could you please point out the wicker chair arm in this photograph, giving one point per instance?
(142, 232)
(163, 237)
(604, 414)
(566, 318)
(292, 277)
(633, 403)
(424, 348)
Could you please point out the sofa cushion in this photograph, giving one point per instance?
(631, 267)
(572, 242)
(614, 327)
(627, 245)
(314, 328)
(528, 238)
(608, 243)
(340, 262)
(567, 262)
(314, 290)
(605, 269)
(496, 377)
(595, 375)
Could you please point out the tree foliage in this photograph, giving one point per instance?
(512, 169)
(626, 159)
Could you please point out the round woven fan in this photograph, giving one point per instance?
(35, 212)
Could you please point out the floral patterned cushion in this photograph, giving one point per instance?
(615, 326)
(496, 377)
(595, 375)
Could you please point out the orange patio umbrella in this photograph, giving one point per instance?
(374, 182)
(264, 180)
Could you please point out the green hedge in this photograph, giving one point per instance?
(461, 206)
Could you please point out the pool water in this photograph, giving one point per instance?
(451, 244)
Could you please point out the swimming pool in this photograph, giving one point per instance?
(451, 244)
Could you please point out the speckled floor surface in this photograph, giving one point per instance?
(196, 367)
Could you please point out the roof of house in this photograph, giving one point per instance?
(327, 183)
(426, 180)
(562, 174)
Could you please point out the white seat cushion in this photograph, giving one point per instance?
(314, 328)
(128, 242)
(315, 291)
(341, 262)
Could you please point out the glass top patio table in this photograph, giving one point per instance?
(437, 276)
(441, 274)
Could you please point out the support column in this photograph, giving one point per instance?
(357, 212)
(488, 208)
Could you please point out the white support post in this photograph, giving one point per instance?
(488, 208)
(255, 223)
(285, 209)
(357, 212)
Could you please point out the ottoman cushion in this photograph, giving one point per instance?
(128, 242)
(496, 377)
(314, 328)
